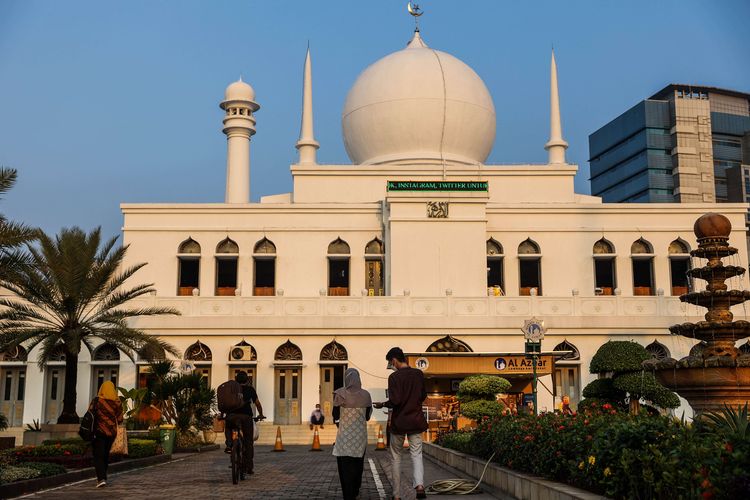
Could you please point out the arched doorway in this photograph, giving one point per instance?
(54, 387)
(105, 364)
(288, 384)
(333, 361)
(13, 384)
(568, 373)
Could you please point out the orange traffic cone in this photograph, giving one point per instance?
(278, 446)
(381, 442)
(316, 441)
(406, 441)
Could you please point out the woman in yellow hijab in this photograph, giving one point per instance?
(107, 411)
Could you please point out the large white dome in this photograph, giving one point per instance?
(416, 104)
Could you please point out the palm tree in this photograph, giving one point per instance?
(73, 291)
(12, 234)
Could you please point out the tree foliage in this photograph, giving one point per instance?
(644, 385)
(72, 292)
(603, 389)
(477, 395)
(619, 356)
(12, 234)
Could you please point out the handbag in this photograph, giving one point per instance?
(88, 422)
(256, 431)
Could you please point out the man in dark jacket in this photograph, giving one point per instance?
(242, 418)
(406, 392)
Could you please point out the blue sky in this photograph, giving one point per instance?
(103, 102)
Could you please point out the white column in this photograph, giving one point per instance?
(307, 145)
(238, 165)
(556, 146)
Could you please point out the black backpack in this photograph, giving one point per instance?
(88, 423)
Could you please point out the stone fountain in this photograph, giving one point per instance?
(715, 373)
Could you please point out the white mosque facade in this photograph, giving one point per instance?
(418, 243)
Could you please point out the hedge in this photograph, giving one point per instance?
(140, 448)
(45, 469)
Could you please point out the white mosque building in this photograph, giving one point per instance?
(417, 243)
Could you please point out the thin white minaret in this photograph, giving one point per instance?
(239, 125)
(307, 145)
(556, 145)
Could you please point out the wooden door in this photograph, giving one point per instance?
(287, 408)
(331, 378)
(567, 383)
(13, 382)
(54, 392)
(249, 369)
(374, 277)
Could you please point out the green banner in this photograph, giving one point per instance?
(437, 185)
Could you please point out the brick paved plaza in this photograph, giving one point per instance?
(294, 474)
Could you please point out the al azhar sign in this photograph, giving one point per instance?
(533, 330)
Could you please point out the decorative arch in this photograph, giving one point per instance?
(333, 351)
(567, 346)
(528, 247)
(679, 247)
(339, 247)
(641, 246)
(198, 352)
(288, 352)
(17, 353)
(152, 352)
(494, 247)
(58, 353)
(239, 352)
(106, 352)
(658, 350)
(265, 246)
(227, 245)
(449, 344)
(189, 246)
(603, 246)
(374, 247)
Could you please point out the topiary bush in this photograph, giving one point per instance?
(481, 387)
(644, 385)
(481, 408)
(619, 356)
(603, 389)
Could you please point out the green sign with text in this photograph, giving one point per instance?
(437, 185)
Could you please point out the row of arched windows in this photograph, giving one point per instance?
(264, 275)
(605, 278)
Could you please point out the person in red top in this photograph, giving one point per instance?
(406, 392)
(107, 411)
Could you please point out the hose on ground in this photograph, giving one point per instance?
(456, 486)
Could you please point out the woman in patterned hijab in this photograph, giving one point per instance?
(352, 408)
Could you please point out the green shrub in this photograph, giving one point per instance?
(74, 440)
(480, 408)
(49, 450)
(14, 473)
(481, 387)
(644, 385)
(45, 469)
(3, 422)
(457, 440)
(140, 448)
(619, 356)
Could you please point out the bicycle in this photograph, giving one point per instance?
(237, 456)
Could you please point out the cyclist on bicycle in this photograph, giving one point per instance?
(242, 419)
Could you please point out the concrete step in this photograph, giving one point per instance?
(302, 435)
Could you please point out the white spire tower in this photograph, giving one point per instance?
(239, 124)
(307, 145)
(556, 145)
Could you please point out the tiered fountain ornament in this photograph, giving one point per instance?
(715, 373)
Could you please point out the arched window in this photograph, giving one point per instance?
(189, 264)
(529, 268)
(243, 352)
(573, 355)
(288, 352)
(227, 255)
(264, 258)
(643, 267)
(152, 353)
(679, 265)
(657, 350)
(495, 271)
(374, 264)
(199, 352)
(449, 344)
(17, 353)
(338, 267)
(333, 351)
(568, 373)
(605, 278)
(106, 352)
(58, 353)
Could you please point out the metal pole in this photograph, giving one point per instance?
(533, 387)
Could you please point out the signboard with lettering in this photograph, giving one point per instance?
(462, 186)
(491, 364)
